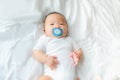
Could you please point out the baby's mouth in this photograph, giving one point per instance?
(57, 32)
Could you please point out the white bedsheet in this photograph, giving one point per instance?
(94, 24)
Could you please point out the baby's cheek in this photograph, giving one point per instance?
(48, 33)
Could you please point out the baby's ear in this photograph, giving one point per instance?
(43, 30)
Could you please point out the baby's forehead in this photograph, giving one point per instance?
(55, 16)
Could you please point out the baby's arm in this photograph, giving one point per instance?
(39, 56)
(77, 55)
(50, 61)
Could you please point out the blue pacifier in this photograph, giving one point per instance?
(57, 32)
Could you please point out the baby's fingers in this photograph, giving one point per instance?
(54, 57)
(53, 66)
(55, 60)
(78, 56)
(72, 54)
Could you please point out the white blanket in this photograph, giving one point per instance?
(94, 24)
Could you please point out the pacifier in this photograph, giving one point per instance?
(57, 32)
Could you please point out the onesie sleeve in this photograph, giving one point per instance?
(41, 43)
(75, 45)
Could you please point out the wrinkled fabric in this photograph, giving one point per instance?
(94, 24)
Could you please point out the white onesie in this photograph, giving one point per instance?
(62, 48)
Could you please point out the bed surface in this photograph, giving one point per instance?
(94, 24)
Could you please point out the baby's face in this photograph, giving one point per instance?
(55, 21)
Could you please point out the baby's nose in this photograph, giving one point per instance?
(57, 26)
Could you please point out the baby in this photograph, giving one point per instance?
(57, 50)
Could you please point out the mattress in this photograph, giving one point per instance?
(94, 24)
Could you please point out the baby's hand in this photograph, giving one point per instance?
(76, 55)
(52, 62)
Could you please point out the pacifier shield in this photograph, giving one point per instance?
(57, 32)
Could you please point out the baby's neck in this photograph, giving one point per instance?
(56, 37)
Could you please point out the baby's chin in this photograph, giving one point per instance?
(52, 36)
(58, 37)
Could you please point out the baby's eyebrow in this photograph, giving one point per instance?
(62, 21)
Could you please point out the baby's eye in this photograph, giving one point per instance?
(51, 24)
(61, 24)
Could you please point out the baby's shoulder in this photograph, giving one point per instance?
(42, 38)
(69, 38)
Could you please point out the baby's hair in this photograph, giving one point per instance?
(53, 13)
